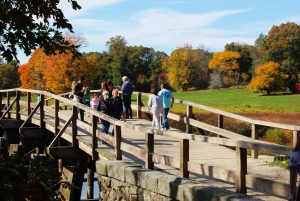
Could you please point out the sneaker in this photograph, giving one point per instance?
(168, 129)
(162, 129)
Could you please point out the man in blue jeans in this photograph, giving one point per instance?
(127, 92)
(168, 101)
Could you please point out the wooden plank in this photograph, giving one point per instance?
(166, 160)
(94, 137)
(63, 152)
(34, 132)
(134, 150)
(189, 113)
(184, 158)
(28, 105)
(241, 170)
(296, 135)
(17, 105)
(254, 135)
(118, 138)
(212, 171)
(42, 111)
(139, 103)
(149, 164)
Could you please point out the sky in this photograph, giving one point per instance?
(167, 24)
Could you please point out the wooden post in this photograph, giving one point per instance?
(90, 181)
(189, 113)
(118, 138)
(184, 158)
(254, 135)
(18, 115)
(149, 164)
(56, 118)
(1, 106)
(28, 105)
(94, 137)
(139, 105)
(296, 135)
(42, 113)
(74, 126)
(241, 170)
(8, 103)
(220, 121)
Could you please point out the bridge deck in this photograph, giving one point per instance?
(200, 152)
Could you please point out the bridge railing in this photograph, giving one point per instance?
(150, 156)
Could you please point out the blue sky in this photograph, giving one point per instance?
(168, 24)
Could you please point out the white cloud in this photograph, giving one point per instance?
(162, 27)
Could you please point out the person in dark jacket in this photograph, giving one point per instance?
(116, 106)
(105, 107)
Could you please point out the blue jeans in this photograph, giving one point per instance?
(164, 122)
(105, 126)
(127, 105)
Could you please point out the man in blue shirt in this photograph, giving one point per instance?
(127, 92)
(168, 101)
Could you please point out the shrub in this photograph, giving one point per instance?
(278, 136)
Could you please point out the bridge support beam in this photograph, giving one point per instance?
(10, 123)
(34, 132)
(64, 152)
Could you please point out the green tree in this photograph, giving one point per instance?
(24, 180)
(117, 49)
(28, 25)
(10, 77)
(283, 47)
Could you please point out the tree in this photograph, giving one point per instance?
(56, 72)
(9, 76)
(117, 48)
(227, 62)
(28, 25)
(245, 61)
(268, 78)
(282, 46)
(187, 67)
(24, 180)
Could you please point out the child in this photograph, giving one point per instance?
(87, 98)
(95, 101)
(123, 115)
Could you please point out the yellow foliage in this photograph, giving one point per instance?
(267, 77)
(226, 62)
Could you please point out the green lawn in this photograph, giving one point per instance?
(240, 100)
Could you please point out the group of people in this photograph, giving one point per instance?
(106, 101)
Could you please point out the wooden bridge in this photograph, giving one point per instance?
(223, 158)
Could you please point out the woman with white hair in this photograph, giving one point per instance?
(104, 106)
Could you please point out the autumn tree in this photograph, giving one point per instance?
(282, 46)
(186, 67)
(32, 24)
(227, 62)
(268, 77)
(56, 72)
(245, 61)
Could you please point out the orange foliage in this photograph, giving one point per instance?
(57, 72)
(268, 77)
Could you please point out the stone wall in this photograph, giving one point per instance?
(128, 181)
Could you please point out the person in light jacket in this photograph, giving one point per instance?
(155, 103)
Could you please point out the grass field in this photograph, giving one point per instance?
(241, 100)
